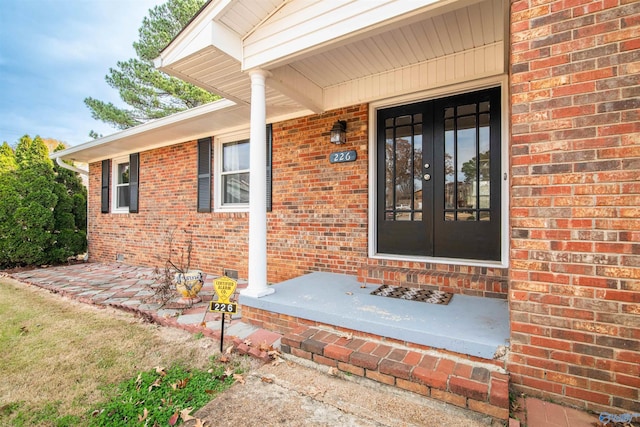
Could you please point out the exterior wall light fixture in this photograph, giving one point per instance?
(339, 132)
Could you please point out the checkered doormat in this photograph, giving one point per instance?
(413, 294)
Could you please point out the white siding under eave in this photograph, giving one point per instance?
(461, 67)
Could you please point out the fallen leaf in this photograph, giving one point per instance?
(267, 380)
(346, 336)
(200, 423)
(277, 361)
(239, 378)
(247, 343)
(156, 383)
(265, 347)
(228, 372)
(203, 324)
(139, 381)
(229, 349)
(180, 384)
(210, 391)
(273, 353)
(333, 371)
(184, 414)
(144, 415)
(174, 419)
(160, 370)
(349, 293)
(223, 359)
(314, 391)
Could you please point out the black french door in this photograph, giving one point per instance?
(438, 173)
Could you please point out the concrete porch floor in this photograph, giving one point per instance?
(468, 325)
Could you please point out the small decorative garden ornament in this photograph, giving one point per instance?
(189, 284)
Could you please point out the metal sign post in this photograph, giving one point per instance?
(225, 287)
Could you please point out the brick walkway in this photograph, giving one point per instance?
(130, 288)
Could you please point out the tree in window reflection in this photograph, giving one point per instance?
(471, 170)
(404, 172)
(403, 168)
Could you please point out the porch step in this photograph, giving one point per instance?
(492, 283)
(465, 382)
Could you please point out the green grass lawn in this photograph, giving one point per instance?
(65, 363)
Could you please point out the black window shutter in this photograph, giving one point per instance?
(269, 165)
(104, 198)
(204, 175)
(134, 181)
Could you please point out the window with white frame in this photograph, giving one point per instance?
(233, 174)
(231, 171)
(120, 180)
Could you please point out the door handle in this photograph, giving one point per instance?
(427, 177)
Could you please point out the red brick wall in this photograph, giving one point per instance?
(167, 202)
(319, 218)
(318, 222)
(575, 202)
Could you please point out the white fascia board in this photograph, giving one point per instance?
(328, 23)
(213, 34)
(82, 149)
(202, 32)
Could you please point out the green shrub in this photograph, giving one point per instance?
(42, 208)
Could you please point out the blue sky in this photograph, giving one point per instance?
(55, 53)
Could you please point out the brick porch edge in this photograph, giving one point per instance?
(469, 384)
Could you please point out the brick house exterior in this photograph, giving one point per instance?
(574, 277)
(572, 270)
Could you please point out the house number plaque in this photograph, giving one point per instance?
(343, 156)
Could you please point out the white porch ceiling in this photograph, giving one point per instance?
(463, 26)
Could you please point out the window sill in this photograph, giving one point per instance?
(232, 209)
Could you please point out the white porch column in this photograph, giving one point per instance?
(258, 189)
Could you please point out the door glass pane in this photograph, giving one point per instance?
(467, 166)
(404, 172)
(388, 169)
(466, 162)
(449, 165)
(403, 120)
(403, 168)
(484, 166)
(416, 206)
(464, 110)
